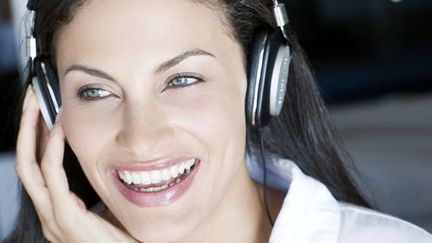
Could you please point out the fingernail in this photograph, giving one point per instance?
(29, 93)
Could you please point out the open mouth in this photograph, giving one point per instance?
(157, 180)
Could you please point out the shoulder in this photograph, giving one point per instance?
(310, 213)
(360, 224)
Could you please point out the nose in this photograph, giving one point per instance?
(145, 129)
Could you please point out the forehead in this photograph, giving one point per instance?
(139, 28)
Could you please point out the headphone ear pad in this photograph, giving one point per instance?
(254, 93)
(47, 90)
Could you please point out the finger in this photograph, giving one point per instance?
(42, 138)
(50, 232)
(26, 165)
(49, 226)
(26, 141)
(52, 165)
(64, 204)
(49, 235)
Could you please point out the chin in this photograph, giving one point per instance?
(151, 228)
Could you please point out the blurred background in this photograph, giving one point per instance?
(372, 61)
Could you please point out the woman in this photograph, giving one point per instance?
(153, 107)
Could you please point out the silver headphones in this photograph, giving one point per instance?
(268, 70)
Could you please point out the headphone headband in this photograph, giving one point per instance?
(281, 17)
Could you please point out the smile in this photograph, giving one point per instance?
(154, 185)
(157, 180)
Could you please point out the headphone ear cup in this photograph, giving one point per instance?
(268, 76)
(275, 77)
(45, 84)
(257, 57)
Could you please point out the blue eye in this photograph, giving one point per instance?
(93, 93)
(181, 81)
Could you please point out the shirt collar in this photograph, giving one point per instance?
(309, 212)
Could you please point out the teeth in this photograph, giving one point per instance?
(136, 178)
(121, 175)
(156, 176)
(182, 168)
(190, 163)
(165, 174)
(145, 178)
(153, 189)
(163, 187)
(128, 177)
(174, 171)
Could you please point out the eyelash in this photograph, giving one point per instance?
(186, 76)
(84, 91)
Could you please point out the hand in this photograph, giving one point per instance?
(63, 216)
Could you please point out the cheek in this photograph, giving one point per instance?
(217, 120)
(215, 117)
(86, 135)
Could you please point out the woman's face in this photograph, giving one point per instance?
(150, 89)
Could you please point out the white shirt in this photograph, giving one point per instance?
(310, 213)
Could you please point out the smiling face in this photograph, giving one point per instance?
(153, 106)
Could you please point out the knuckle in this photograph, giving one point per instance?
(45, 231)
(25, 120)
(18, 170)
(48, 235)
(55, 131)
(63, 223)
(45, 164)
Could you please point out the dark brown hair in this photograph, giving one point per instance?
(302, 133)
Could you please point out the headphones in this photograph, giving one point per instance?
(42, 74)
(268, 70)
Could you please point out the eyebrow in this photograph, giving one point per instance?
(176, 60)
(89, 71)
(161, 68)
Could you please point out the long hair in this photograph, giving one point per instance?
(302, 133)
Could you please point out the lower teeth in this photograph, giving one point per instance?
(155, 189)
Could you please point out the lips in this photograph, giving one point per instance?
(143, 178)
(156, 185)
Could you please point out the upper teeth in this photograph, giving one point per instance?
(155, 176)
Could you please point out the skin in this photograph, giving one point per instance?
(141, 118)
